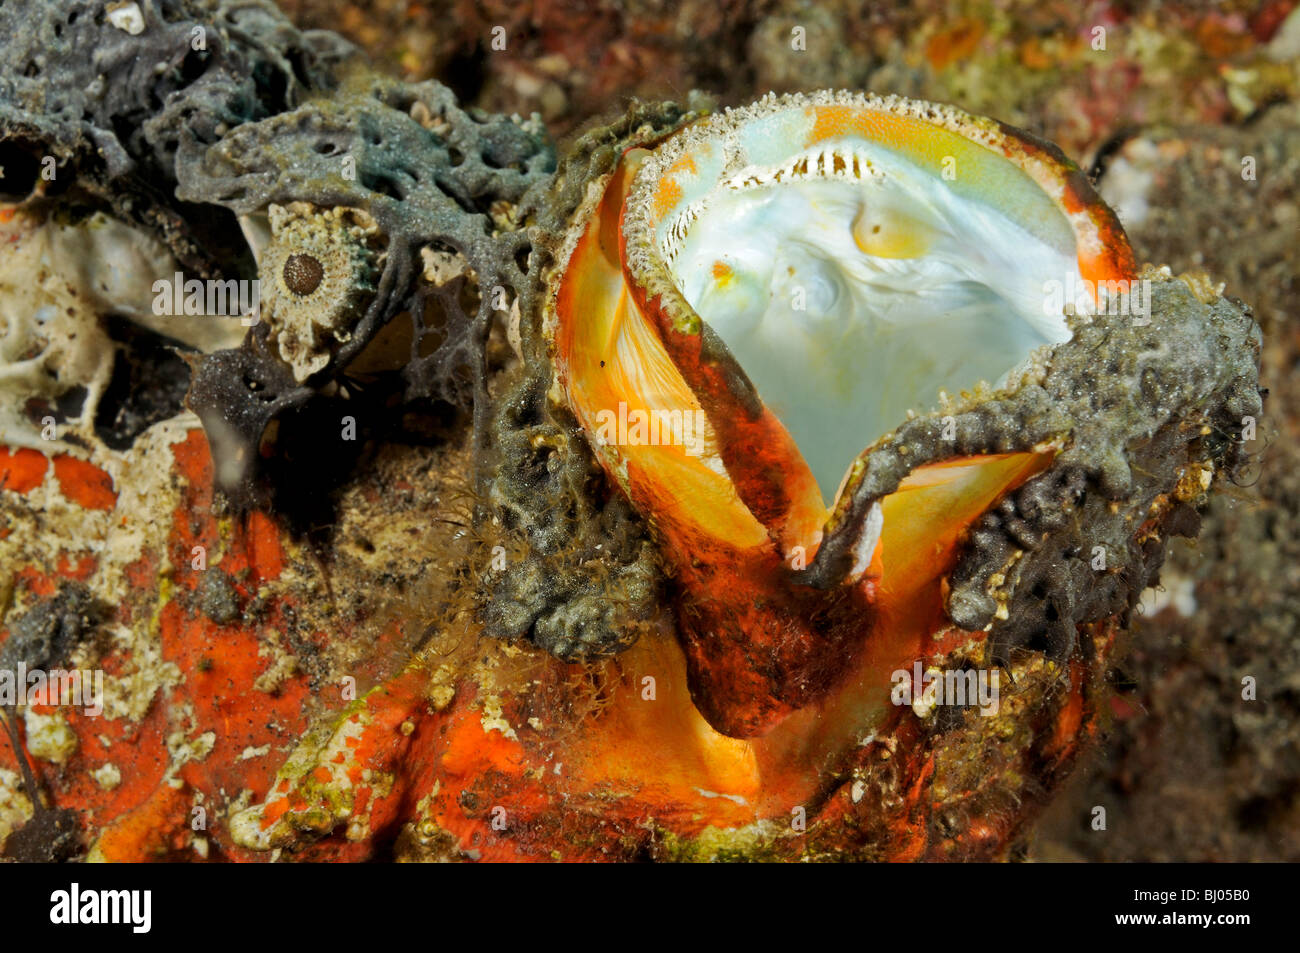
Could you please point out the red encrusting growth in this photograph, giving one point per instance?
(84, 483)
(22, 470)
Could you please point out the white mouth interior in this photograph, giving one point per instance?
(849, 301)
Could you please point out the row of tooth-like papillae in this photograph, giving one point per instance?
(834, 161)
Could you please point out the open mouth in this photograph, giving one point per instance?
(854, 286)
(857, 269)
(797, 281)
(806, 274)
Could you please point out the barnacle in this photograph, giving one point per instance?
(321, 268)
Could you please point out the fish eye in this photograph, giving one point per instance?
(302, 274)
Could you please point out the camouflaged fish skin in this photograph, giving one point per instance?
(178, 138)
(123, 123)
